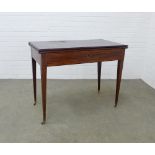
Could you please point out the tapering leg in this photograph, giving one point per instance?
(119, 76)
(99, 65)
(43, 85)
(34, 80)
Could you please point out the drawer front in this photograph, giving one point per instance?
(78, 56)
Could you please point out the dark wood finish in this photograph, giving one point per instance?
(36, 56)
(119, 75)
(56, 53)
(68, 57)
(34, 80)
(99, 65)
(43, 85)
(59, 46)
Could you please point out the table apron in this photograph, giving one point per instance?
(77, 57)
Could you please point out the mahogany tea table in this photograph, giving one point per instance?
(56, 53)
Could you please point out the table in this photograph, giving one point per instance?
(56, 53)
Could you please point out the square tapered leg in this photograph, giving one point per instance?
(43, 85)
(99, 65)
(119, 76)
(34, 80)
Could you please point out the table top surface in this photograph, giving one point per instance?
(47, 46)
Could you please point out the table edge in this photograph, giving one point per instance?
(77, 48)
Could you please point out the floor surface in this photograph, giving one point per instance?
(77, 113)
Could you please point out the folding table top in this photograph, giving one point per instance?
(45, 46)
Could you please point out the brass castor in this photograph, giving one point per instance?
(115, 105)
(43, 122)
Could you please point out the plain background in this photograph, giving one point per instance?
(137, 30)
